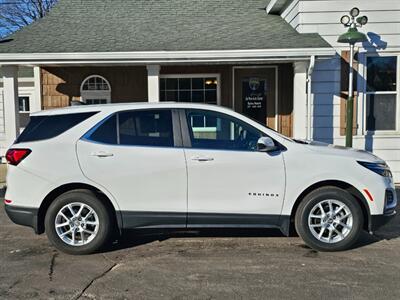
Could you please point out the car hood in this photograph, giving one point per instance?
(329, 149)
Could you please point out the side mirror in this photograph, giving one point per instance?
(266, 144)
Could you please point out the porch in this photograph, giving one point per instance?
(271, 91)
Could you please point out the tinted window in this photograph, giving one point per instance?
(106, 132)
(46, 127)
(147, 128)
(381, 73)
(137, 128)
(212, 130)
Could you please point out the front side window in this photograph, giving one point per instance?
(381, 94)
(213, 130)
(189, 89)
(136, 128)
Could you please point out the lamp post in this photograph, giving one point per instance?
(351, 37)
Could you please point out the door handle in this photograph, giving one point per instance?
(202, 158)
(102, 154)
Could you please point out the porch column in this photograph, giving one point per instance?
(11, 110)
(153, 83)
(36, 104)
(300, 99)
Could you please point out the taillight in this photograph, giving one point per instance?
(15, 156)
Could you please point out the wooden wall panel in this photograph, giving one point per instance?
(61, 85)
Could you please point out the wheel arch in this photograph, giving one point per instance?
(339, 184)
(50, 197)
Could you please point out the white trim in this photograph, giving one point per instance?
(10, 101)
(21, 79)
(153, 83)
(199, 75)
(275, 6)
(276, 86)
(148, 57)
(95, 94)
(37, 97)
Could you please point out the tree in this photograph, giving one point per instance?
(15, 14)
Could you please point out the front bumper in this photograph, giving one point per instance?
(377, 221)
(26, 216)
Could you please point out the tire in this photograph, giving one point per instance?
(339, 232)
(92, 228)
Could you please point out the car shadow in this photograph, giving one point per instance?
(134, 238)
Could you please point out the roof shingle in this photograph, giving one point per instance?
(157, 25)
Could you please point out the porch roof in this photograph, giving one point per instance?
(140, 26)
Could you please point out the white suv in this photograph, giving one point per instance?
(82, 173)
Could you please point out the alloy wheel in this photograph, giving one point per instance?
(330, 221)
(76, 224)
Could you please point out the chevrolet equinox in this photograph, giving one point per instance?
(83, 173)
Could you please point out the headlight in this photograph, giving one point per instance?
(379, 168)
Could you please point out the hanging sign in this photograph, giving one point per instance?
(254, 98)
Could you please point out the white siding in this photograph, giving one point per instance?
(2, 129)
(383, 30)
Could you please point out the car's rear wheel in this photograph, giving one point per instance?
(329, 219)
(77, 222)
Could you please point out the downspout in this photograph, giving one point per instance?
(309, 111)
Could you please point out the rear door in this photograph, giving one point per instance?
(137, 156)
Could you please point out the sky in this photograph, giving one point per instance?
(4, 4)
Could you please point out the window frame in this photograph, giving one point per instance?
(95, 94)
(196, 75)
(364, 93)
(187, 136)
(176, 129)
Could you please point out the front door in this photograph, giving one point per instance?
(229, 181)
(255, 94)
(136, 156)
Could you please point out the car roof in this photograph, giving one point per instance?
(112, 107)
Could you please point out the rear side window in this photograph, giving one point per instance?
(107, 132)
(47, 127)
(136, 128)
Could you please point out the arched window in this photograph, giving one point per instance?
(96, 89)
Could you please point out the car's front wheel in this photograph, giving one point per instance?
(78, 223)
(329, 219)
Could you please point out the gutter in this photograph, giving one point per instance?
(158, 57)
(309, 85)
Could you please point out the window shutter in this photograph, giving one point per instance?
(344, 86)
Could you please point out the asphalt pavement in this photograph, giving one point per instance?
(208, 264)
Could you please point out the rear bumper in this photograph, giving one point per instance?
(378, 221)
(25, 216)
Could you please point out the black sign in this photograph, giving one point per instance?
(254, 99)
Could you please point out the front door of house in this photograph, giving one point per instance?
(255, 94)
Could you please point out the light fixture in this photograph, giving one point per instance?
(211, 81)
(351, 37)
(362, 20)
(345, 20)
(354, 12)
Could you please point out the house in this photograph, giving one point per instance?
(276, 61)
